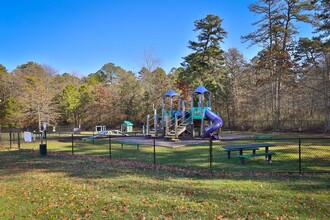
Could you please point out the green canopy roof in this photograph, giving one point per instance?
(128, 123)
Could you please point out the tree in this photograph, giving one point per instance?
(116, 96)
(313, 55)
(71, 104)
(130, 95)
(205, 64)
(275, 33)
(101, 109)
(154, 85)
(150, 62)
(207, 57)
(60, 81)
(3, 78)
(109, 73)
(323, 20)
(6, 83)
(235, 66)
(9, 106)
(34, 93)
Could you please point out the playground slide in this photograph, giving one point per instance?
(216, 124)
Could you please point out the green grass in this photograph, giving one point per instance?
(60, 186)
(315, 154)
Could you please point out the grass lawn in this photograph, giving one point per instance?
(315, 154)
(60, 186)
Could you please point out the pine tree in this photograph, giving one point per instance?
(275, 33)
(205, 64)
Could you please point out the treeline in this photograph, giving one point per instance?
(286, 86)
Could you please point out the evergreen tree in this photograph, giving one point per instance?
(205, 64)
(313, 57)
(323, 20)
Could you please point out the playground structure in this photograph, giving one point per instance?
(175, 120)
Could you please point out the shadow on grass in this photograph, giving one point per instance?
(20, 161)
(93, 167)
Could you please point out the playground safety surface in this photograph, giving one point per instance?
(173, 144)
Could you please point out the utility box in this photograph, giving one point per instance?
(43, 149)
(127, 126)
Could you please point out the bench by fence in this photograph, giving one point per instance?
(129, 143)
(260, 137)
(246, 156)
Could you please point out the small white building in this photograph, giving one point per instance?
(127, 126)
(99, 128)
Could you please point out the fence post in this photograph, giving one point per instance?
(211, 156)
(19, 141)
(154, 151)
(110, 146)
(10, 138)
(148, 124)
(72, 144)
(59, 133)
(299, 155)
(45, 134)
(176, 126)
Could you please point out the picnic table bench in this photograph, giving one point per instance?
(245, 156)
(231, 148)
(258, 137)
(253, 147)
(129, 143)
(89, 139)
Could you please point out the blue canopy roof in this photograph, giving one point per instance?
(201, 90)
(171, 93)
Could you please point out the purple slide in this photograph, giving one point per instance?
(216, 124)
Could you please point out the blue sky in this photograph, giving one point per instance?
(82, 35)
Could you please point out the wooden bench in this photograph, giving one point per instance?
(129, 143)
(246, 156)
(260, 137)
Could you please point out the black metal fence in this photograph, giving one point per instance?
(288, 125)
(288, 155)
(10, 138)
(301, 155)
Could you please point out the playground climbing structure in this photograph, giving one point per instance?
(175, 120)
